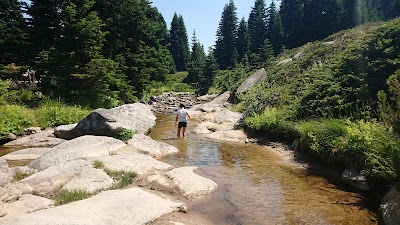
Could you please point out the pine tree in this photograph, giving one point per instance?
(292, 16)
(243, 40)
(275, 29)
(347, 17)
(257, 26)
(45, 24)
(178, 40)
(197, 63)
(13, 36)
(225, 46)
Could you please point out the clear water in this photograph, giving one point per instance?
(255, 185)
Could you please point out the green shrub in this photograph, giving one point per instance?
(13, 119)
(65, 197)
(19, 175)
(273, 122)
(98, 164)
(55, 113)
(126, 134)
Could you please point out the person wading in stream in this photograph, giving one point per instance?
(181, 120)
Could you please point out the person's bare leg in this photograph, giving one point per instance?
(184, 131)
(178, 133)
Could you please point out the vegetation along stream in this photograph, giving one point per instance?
(256, 186)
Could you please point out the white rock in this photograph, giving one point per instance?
(119, 207)
(138, 163)
(26, 154)
(191, 185)
(229, 135)
(90, 181)
(146, 145)
(82, 147)
(28, 203)
(5, 175)
(49, 181)
(10, 193)
(42, 139)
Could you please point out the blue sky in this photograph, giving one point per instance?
(203, 16)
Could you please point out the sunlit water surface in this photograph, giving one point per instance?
(255, 186)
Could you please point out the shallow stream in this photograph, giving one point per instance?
(257, 186)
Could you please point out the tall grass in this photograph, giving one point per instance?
(14, 118)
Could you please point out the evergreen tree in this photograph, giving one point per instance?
(178, 40)
(209, 73)
(348, 16)
(243, 40)
(274, 28)
(225, 46)
(292, 16)
(319, 19)
(197, 63)
(13, 36)
(45, 24)
(257, 26)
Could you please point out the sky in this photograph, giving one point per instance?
(203, 16)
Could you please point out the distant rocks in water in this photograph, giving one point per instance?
(110, 122)
(168, 103)
(356, 180)
(390, 207)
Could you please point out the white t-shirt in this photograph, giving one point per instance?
(182, 114)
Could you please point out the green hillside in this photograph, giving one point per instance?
(323, 97)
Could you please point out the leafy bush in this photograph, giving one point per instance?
(55, 113)
(13, 119)
(125, 134)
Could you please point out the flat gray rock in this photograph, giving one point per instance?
(110, 122)
(251, 81)
(229, 135)
(90, 181)
(82, 147)
(119, 207)
(135, 162)
(42, 139)
(191, 185)
(146, 145)
(26, 154)
(26, 204)
(49, 181)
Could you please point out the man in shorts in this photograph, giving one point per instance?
(181, 120)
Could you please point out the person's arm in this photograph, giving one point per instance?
(176, 119)
(188, 115)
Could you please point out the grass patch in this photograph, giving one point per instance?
(98, 164)
(121, 178)
(19, 175)
(126, 134)
(65, 197)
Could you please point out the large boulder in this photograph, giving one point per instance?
(390, 207)
(191, 185)
(81, 147)
(26, 154)
(49, 181)
(146, 145)
(119, 207)
(251, 81)
(42, 139)
(110, 122)
(135, 162)
(218, 104)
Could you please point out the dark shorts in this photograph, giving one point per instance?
(182, 124)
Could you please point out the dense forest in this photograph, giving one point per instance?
(339, 97)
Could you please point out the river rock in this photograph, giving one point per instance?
(229, 135)
(42, 139)
(32, 130)
(10, 193)
(218, 104)
(11, 137)
(81, 147)
(49, 181)
(156, 182)
(65, 131)
(356, 180)
(26, 204)
(146, 145)
(26, 154)
(5, 175)
(135, 162)
(390, 207)
(90, 181)
(110, 122)
(191, 185)
(252, 81)
(118, 207)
